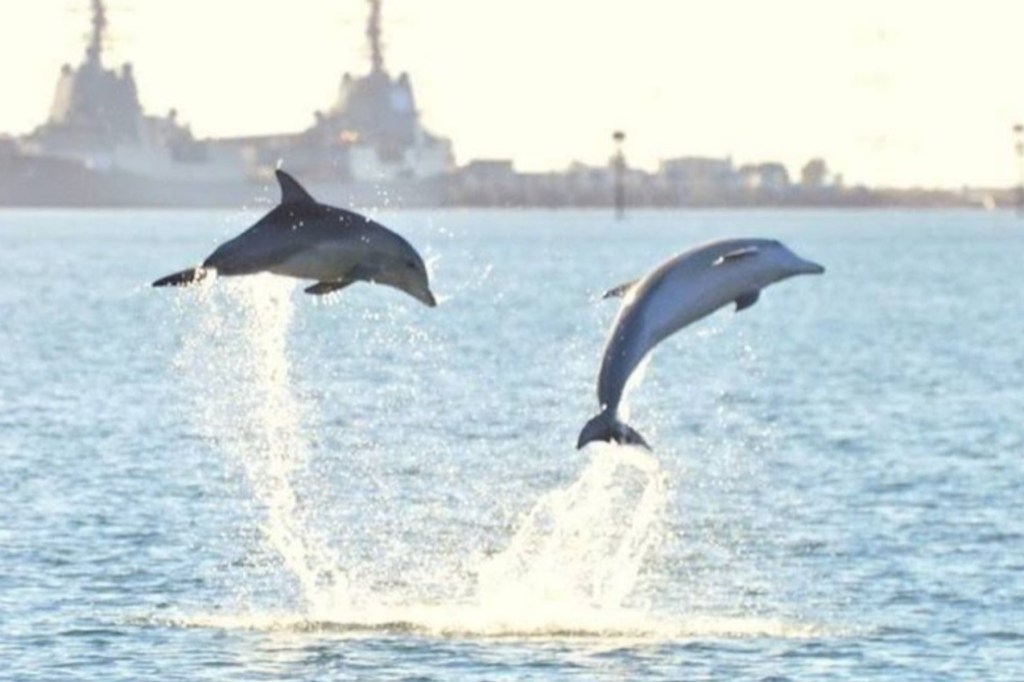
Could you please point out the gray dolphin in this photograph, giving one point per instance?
(679, 292)
(305, 239)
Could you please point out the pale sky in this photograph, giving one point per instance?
(901, 92)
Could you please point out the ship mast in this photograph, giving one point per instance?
(99, 25)
(373, 33)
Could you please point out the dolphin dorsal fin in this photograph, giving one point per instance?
(620, 290)
(291, 191)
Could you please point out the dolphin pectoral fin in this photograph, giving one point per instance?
(323, 288)
(360, 273)
(736, 255)
(620, 290)
(746, 300)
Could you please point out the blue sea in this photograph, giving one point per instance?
(242, 482)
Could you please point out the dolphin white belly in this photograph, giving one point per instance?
(325, 261)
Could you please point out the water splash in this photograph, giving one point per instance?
(582, 546)
(235, 362)
(571, 569)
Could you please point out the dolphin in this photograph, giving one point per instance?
(305, 239)
(679, 292)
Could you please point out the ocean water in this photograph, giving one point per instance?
(239, 482)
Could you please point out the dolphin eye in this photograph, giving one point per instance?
(410, 264)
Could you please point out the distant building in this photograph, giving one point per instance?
(768, 180)
(500, 171)
(814, 174)
(774, 178)
(698, 179)
(484, 182)
(585, 185)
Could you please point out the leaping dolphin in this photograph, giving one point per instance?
(305, 239)
(679, 292)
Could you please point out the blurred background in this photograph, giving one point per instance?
(512, 103)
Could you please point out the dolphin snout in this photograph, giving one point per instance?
(809, 267)
(815, 268)
(427, 297)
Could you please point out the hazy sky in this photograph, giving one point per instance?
(888, 91)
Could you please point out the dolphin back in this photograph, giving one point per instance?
(609, 428)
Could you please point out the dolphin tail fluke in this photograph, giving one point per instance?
(607, 427)
(183, 278)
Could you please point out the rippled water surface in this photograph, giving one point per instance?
(239, 482)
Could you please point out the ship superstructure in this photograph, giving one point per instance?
(98, 146)
(370, 139)
(97, 120)
(375, 124)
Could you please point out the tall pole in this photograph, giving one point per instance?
(373, 33)
(99, 25)
(619, 164)
(1018, 131)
